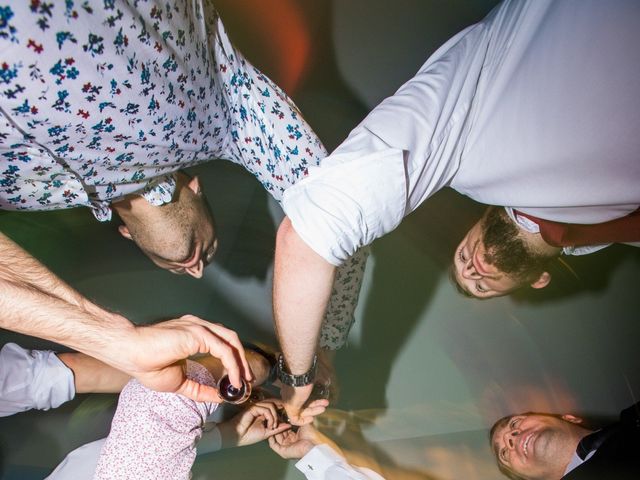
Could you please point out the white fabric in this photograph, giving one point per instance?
(532, 227)
(81, 463)
(337, 211)
(536, 107)
(576, 461)
(32, 379)
(324, 463)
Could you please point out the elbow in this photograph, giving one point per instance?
(286, 234)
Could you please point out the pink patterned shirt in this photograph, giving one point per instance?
(154, 434)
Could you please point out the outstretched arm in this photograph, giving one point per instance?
(301, 289)
(34, 301)
(322, 458)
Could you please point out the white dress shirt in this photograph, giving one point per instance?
(32, 379)
(537, 107)
(324, 463)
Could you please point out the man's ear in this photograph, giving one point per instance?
(542, 281)
(124, 231)
(571, 419)
(194, 185)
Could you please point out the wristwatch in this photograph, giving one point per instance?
(296, 380)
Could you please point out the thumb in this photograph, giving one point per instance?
(199, 392)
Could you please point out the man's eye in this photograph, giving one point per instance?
(514, 423)
(461, 256)
(479, 288)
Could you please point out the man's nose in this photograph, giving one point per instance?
(509, 438)
(469, 271)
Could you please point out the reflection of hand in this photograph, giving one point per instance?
(257, 423)
(159, 351)
(294, 399)
(292, 444)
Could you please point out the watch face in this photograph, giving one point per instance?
(231, 394)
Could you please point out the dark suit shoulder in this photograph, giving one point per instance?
(618, 458)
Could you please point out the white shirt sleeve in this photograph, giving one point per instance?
(324, 463)
(80, 464)
(358, 194)
(32, 379)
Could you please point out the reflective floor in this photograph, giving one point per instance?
(426, 372)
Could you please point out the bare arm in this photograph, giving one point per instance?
(93, 376)
(19, 267)
(34, 301)
(301, 289)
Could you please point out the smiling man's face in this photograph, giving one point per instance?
(536, 446)
(496, 257)
(474, 274)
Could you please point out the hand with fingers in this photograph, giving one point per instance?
(254, 424)
(290, 444)
(294, 399)
(156, 355)
(262, 420)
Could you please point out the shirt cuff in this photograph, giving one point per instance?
(348, 202)
(32, 379)
(317, 461)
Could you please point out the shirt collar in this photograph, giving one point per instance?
(576, 461)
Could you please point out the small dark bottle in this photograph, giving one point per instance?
(231, 394)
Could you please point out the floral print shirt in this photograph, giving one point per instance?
(103, 99)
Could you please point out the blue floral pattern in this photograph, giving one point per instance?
(99, 100)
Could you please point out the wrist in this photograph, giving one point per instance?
(120, 347)
(293, 380)
(228, 433)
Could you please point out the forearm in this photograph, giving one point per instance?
(301, 289)
(228, 434)
(19, 266)
(28, 310)
(34, 301)
(93, 376)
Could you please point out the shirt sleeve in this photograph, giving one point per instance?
(358, 194)
(211, 440)
(324, 463)
(80, 463)
(32, 379)
(153, 434)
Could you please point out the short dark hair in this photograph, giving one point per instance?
(508, 251)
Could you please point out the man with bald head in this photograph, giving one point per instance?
(104, 110)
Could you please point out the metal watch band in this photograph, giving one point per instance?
(296, 380)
